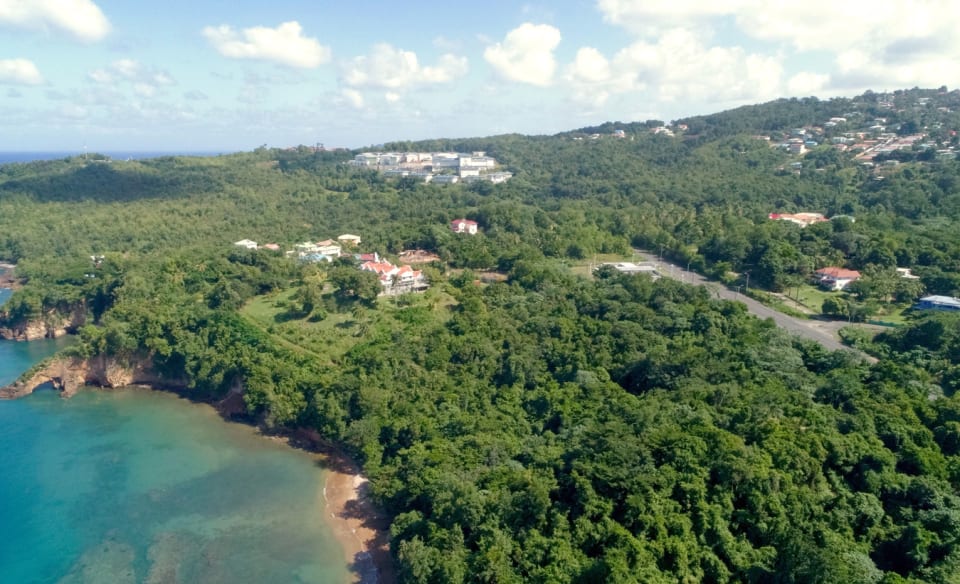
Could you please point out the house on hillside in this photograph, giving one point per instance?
(834, 278)
(632, 268)
(328, 247)
(464, 226)
(396, 279)
(945, 303)
(367, 257)
(349, 239)
(246, 243)
(801, 219)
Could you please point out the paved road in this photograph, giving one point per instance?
(821, 332)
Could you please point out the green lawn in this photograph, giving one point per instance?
(812, 297)
(329, 338)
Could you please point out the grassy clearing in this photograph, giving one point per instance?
(331, 337)
(812, 297)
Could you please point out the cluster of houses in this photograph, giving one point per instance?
(436, 167)
(865, 136)
(394, 279)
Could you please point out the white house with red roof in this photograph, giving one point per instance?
(834, 278)
(396, 279)
(464, 226)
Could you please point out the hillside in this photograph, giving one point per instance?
(521, 422)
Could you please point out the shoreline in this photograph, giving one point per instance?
(7, 279)
(361, 529)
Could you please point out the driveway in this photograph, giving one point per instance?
(823, 332)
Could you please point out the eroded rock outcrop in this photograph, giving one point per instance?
(53, 325)
(68, 374)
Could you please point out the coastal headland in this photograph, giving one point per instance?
(359, 527)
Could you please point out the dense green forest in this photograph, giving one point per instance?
(543, 426)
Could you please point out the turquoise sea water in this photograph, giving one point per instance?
(141, 486)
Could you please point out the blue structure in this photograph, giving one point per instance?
(945, 303)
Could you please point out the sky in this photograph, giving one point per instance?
(229, 75)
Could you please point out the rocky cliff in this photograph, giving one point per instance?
(69, 374)
(52, 325)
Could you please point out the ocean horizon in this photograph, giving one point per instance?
(24, 156)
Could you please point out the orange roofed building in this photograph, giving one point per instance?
(834, 278)
(396, 279)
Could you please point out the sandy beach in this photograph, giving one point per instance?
(363, 532)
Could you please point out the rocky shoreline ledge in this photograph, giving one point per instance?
(363, 532)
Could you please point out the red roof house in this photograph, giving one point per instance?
(463, 226)
(834, 278)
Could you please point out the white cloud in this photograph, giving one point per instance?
(143, 80)
(805, 83)
(284, 45)
(391, 97)
(593, 79)
(100, 76)
(81, 19)
(526, 54)
(352, 97)
(677, 66)
(19, 72)
(648, 16)
(387, 67)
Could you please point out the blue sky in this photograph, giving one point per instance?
(232, 75)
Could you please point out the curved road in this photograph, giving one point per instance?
(803, 328)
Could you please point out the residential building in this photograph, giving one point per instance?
(631, 268)
(445, 179)
(328, 247)
(834, 278)
(367, 257)
(801, 219)
(396, 279)
(349, 239)
(945, 303)
(246, 243)
(906, 274)
(463, 226)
